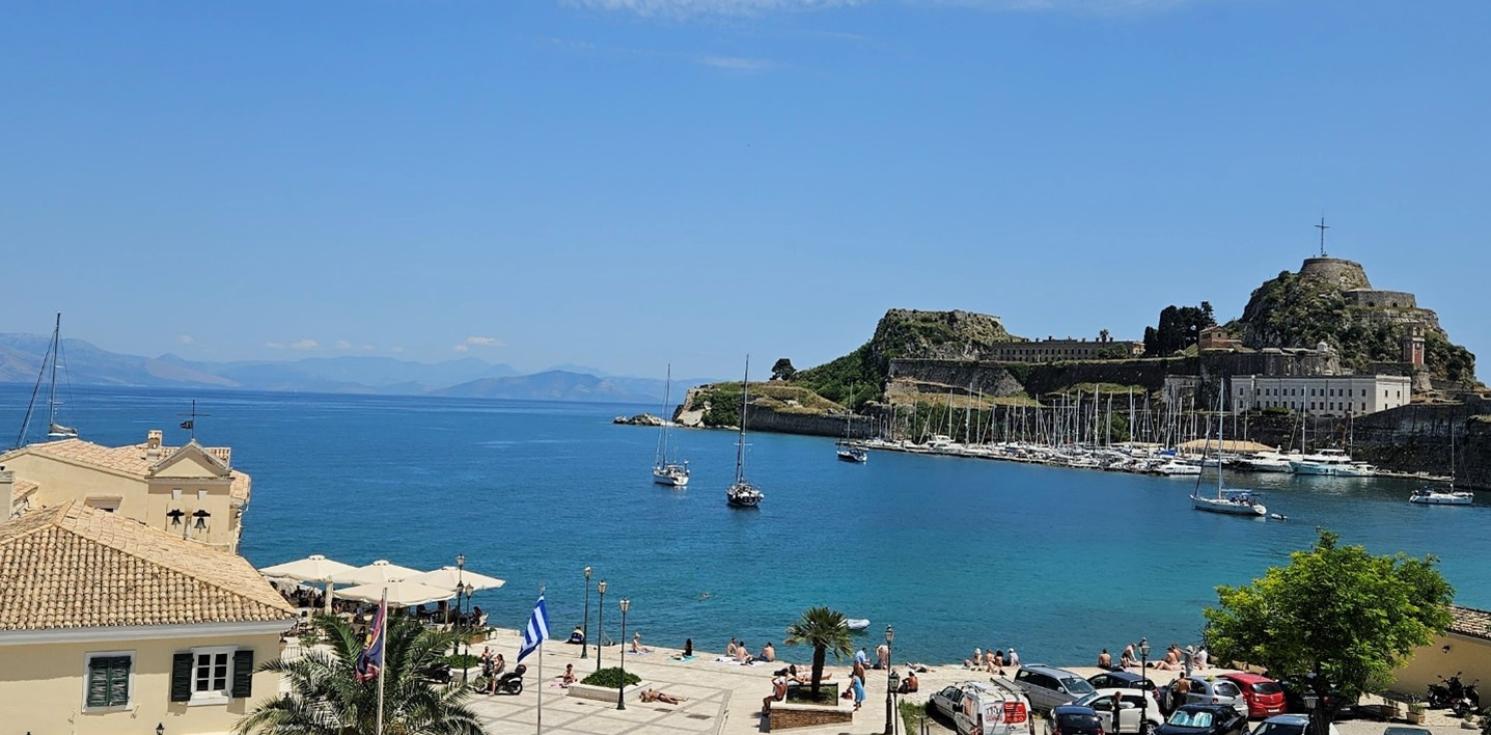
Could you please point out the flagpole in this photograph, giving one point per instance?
(541, 673)
(382, 654)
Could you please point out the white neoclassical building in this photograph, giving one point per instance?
(1322, 395)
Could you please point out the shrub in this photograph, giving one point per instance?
(610, 678)
(462, 660)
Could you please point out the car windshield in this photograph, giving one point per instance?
(1182, 718)
(1278, 728)
(1077, 686)
(1267, 687)
(1073, 722)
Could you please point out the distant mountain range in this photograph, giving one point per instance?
(86, 364)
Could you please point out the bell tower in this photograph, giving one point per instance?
(1413, 345)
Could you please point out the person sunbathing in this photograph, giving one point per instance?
(778, 693)
(653, 695)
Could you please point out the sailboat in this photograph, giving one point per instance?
(1432, 496)
(847, 449)
(1226, 501)
(55, 430)
(741, 493)
(666, 471)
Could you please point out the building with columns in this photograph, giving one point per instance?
(1321, 395)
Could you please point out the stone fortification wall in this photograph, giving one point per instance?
(1348, 273)
(761, 418)
(963, 376)
(1375, 298)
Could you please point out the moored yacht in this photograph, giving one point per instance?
(1428, 496)
(1265, 462)
(664, 470)
(1324, 462)
(741, 493)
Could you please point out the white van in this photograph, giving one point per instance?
(996, 707)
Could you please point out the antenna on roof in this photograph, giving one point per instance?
(1322, 227)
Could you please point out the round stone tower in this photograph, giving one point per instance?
(1348, 274)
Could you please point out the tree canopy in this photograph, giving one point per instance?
(782, 369)
(1179, 328)
(825, 630)
(1335, 612)
(325, 698)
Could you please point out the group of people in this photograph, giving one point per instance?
(739, 651)
(1175, 659)
(992, 661)
(493, 666)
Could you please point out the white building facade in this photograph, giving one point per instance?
(1322, 395)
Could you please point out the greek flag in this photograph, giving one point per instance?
(537, 631)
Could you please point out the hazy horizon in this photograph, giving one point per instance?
(628, 183)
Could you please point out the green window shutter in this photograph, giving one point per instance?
(243, 673)
(108, 681)
(98, 682)
(181, 677)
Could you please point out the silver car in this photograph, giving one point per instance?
(1048, 687)
(1206, 690)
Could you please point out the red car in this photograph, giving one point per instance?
(1265, 696)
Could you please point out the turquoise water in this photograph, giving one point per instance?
(955, 553)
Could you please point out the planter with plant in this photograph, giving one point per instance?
(605, 684)
(1416, 712)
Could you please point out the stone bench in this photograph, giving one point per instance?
(787, 715)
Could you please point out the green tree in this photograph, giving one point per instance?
(825, 630)
(1179, 328)
(1336, 612)
(325, 698)
(782, 369)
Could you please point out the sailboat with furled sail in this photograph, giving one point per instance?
(664, 470)
(1227, 501)
(49, 362)
(741, 493)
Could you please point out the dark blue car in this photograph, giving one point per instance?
(1120, 680)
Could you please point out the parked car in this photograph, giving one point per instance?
(995, 707)
(948, 700)
(1403, 730)
(1071, 719)
(1048, 687)
(1265, 696)
(1288, 725)
(1205, 691)
(1300, 696)
(1204, 719)
(1132, 705)
(1121, 680)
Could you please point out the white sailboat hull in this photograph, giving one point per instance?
(671, 476)
(1227, 506)
(743, 495)
(1459, 497)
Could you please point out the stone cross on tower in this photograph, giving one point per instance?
(1322, 227)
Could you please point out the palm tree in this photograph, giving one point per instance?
(825, 630)
(325, 698)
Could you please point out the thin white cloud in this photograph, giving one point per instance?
(302, 344)
(737, 63)
(466, 345)
(679, 8)
(185, 339)
(343, 344)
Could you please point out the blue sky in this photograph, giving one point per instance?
(623, 183)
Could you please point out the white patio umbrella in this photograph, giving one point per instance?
(452, 577)
(314, 568)
(401, 593)
(376, 573)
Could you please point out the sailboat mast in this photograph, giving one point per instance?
(662, 438)
(1221, 433)
(52, 398)
(745, 389)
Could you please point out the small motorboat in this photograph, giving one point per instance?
(1428, 496)
(858, 623)
(848, 452)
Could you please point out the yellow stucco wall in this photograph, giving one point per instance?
(1466, 654)
(61, 482)
(41, 688)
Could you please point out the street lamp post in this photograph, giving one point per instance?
(469, 590)
(600, 623)
(890, 689)
(621, 686)
(461, 608)
(895, 687)
(1143, 671)
(585, 629)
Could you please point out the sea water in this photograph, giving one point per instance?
(955, 553)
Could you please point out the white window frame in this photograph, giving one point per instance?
(223, 696)
(87, 664)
